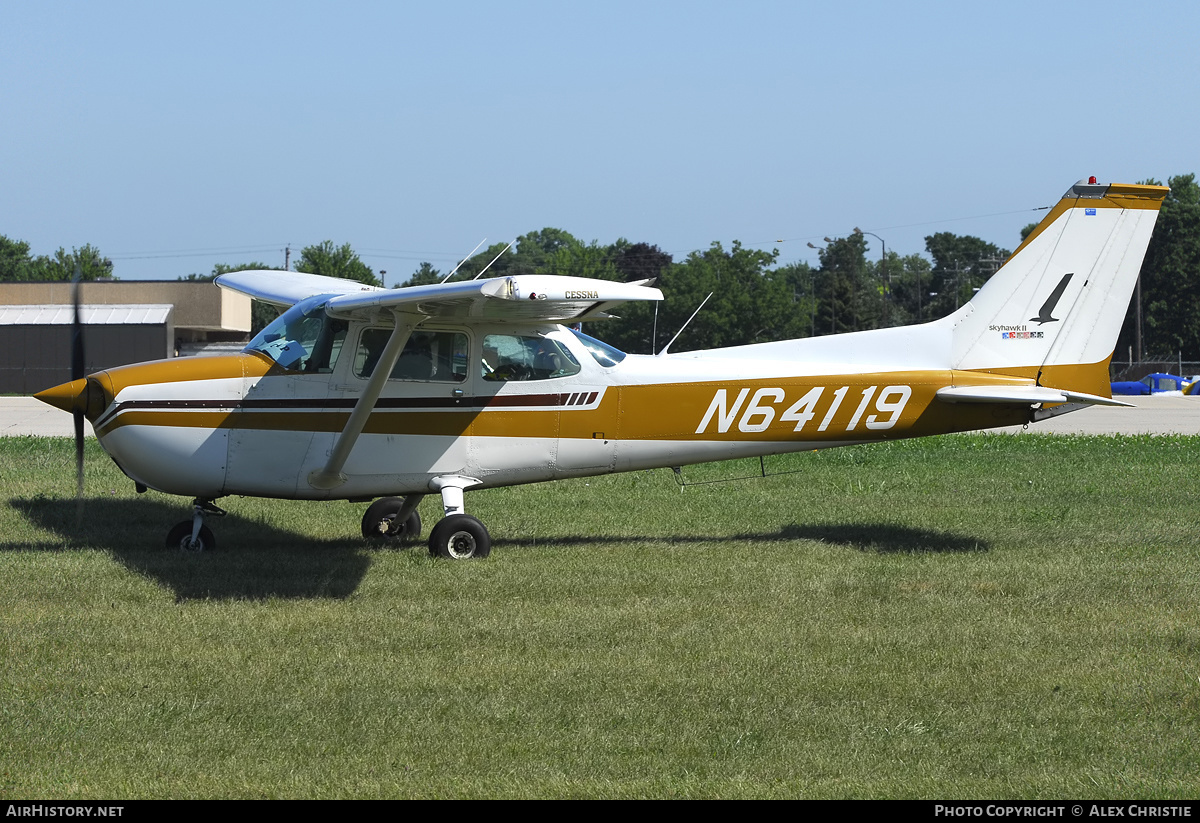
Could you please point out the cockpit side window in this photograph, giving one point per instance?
(439, 356)
(525, 357)
(303, 338)
(327, 347)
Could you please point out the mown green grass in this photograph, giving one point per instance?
(969, 616)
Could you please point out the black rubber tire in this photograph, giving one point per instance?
(181, 535)
(379, 522)
(460, 537)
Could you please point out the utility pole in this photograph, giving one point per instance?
(887, 284)
(1139, 317)
(919, 294)
(994, 263)
(287, 258)
(812, 287)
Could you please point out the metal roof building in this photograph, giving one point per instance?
(124, 322)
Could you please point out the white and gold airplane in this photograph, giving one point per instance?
(361, 393)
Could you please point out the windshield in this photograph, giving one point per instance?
(600, 351)
(303, 338)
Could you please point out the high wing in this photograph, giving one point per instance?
(525, 298)
(287, 288)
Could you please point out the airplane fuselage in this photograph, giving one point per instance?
(244, 426)
(357, 392)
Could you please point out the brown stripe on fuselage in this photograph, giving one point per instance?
(327, 414)
(671, 411)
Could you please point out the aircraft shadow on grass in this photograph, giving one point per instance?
(262, 561)
(882, 538)
(886, 538)
(258, 561)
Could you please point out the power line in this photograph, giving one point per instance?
(157, 255)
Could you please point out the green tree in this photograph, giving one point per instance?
(639, 261)
(799, 282)
(579, 260)
(423, 276)
(539, 252)
(847, 291)
(548, 251)
(501, 262)
(747, 305)
(335, 261)
(635, 328)
(910, 278)
(61, 265)
(961, 265)
(14, 259)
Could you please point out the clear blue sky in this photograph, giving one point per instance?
(177, 135)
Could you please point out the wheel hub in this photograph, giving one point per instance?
(461, 545)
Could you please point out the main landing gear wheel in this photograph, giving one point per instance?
(379, 523)
(180, 537)
(459, 537)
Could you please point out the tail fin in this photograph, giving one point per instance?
(1053, 311)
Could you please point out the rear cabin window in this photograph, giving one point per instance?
(439, 356)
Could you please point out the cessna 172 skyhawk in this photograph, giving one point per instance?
(361, 393)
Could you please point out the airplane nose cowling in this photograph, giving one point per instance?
(90, 396)
(70, 397)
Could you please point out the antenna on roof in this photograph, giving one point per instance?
(494, 259)
(465, 259)
(685, 325)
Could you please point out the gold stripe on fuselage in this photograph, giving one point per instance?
(827, 408)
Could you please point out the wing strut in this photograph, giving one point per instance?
(331, 476)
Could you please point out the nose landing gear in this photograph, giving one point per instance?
(192, 535)
(393, 519)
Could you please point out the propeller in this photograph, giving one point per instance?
(77, 368)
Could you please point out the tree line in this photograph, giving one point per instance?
(17, 265)
(754, 297)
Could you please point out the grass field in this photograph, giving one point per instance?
(959, 617)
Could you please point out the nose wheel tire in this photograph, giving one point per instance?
(379, 522)
(459, 537)
(180, 537)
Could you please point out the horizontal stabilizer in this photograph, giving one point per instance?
(1022, 394)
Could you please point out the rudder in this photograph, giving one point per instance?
(1054, 309)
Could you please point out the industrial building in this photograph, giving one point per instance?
(125, 321)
